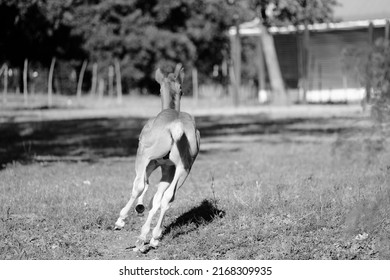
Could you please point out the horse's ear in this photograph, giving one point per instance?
(177, 70)
(181, 76)
(159, 76)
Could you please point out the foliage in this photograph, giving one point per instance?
(378, 65)
(37, 30)
(371, 65)
(377, 72)
(205, 23)
(281, 12)
(126, 30)
(140, 34)
(158, 33)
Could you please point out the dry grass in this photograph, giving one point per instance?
(263, 187)
(147, 106)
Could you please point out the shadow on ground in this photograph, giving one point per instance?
(96, 138)
(205, 213)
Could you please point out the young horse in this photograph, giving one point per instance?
(170, 141)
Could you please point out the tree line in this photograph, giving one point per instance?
(135, 36)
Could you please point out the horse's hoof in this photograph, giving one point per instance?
(139, 208)
(119, 224)
(154, 243)
(140, 246)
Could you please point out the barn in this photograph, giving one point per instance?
(312, 60)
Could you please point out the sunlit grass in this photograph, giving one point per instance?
(283, 195)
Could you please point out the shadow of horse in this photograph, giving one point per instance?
(203, 214)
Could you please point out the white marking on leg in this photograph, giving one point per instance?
(140, 200)
(149, 169)
(166, 180)
(166, 201)
(138, 188)
(156, 205)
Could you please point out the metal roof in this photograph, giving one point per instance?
(251, 28)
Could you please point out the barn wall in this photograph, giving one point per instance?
(326, 66)
(287, 50)
(326, 58)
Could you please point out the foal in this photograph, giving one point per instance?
(170, 141)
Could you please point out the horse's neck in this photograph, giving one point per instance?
(169, 101)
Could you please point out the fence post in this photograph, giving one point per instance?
(118, 81)
(5, 77)
(306, 62)
(110, 80)
(81, 78)
(50, 83)
(368, 81)
(236, 55)
(195, 87)
(25, 89)
(101, 88)
(94, 79)
(260, 69)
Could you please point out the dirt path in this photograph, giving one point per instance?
(146, 107)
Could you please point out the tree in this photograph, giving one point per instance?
(139, 34)
(371, 65)
(288, 12)
(126, 30)
(205, 23)
(295, 12)
(147, 34)
(38, 30)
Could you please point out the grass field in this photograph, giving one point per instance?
(272, 184)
